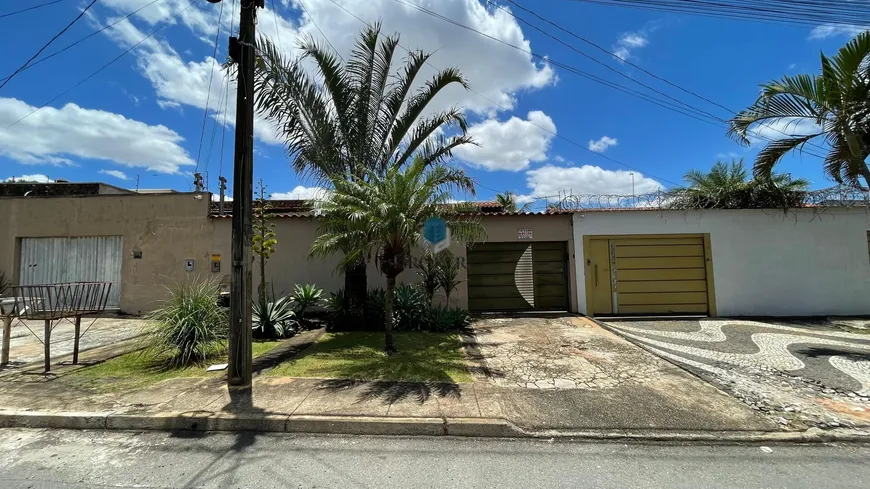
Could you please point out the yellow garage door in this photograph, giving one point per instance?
(660, 275)
(648, 275)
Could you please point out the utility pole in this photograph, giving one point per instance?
(242, 51)
(223, 192)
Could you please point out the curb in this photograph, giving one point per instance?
(202, 421)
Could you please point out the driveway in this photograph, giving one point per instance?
(567, 371)
(803, 372)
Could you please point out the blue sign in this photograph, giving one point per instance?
(436, 233)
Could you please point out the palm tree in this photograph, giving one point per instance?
(727, 186)
(381, 216)
(836, 103)
(349, 119)
(508, 201)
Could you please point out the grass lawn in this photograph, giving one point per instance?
(421, 357)
(138, 369)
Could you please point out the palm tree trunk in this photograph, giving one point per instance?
(389, 347)
(355, 290)
(866, 174)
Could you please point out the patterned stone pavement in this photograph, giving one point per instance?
(559, 353)
(780, 367)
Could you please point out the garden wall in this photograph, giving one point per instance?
(764, 262)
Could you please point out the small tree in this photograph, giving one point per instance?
(264, 241)
(448, 270)
(428, 272)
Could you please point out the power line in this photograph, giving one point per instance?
(16, 12)
(275, 16)
(508, 110)
(319, 30)
(100, 69)
(699, 115)
(597, 46)
(210, 76)
(794, 12)
(92, 34)
(21, 68)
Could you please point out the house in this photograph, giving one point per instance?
(631, 261)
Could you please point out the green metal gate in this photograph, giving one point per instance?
(518, 276)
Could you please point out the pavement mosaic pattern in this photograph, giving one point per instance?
(786, 367)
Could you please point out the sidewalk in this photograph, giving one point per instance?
(677, 406)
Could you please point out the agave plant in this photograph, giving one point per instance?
(275, 319)
(190, 325)
(409, 312)
(304, 298)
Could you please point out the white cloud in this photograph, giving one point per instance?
(37, 177)
(115, 173)
(511, 145)
(825, 31)
(301, 193)
(779, 129)
(559, 158)
(629, 42)
(478, 58)
(731, 155)
(602, 144)
(52, 136)
(587, 179)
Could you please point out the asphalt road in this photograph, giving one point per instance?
(78, 459)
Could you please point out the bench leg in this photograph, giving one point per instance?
(7, 336)
(76, 341)
(47, 339)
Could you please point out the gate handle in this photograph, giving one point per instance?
(596, 275)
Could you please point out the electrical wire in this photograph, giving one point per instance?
(210, 76)
(100, 69)
(92, 34)
(706, 99)
(275, 16)
(696, 114)
(28, 9)
(54, 38)
(794, 12)
(318, 29)
(512, 112)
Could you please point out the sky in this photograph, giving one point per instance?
(130, 110)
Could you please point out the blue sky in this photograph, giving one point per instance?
(142, 116)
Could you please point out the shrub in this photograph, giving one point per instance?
(428, 272)
(441, 319)
(448, 269)
(275, 319)
(409, 308)
(335, 310)
(374, 311)
(190, 325)
(304, 298)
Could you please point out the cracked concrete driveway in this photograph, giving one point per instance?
(809, 373)
(567, 371)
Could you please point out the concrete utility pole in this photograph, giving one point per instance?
(242, 51)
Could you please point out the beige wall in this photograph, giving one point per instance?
(166, 228)
(290, 264)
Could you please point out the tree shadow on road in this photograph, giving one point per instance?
(390, 392)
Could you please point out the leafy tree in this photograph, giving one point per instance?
(727, 186)
(355, 118)
(264, 241)
(508, 201)
(836, 103)
(382, 215)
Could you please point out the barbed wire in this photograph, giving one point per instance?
(745, 198)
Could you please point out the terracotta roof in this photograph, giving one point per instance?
(303, 208)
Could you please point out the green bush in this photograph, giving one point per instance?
(274, 319)
(190, 325)
(409, 308)
(304, 298)
(376, 300)
(441, 319)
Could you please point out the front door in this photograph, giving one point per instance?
(602, 296)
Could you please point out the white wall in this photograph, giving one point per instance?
(765, 262)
